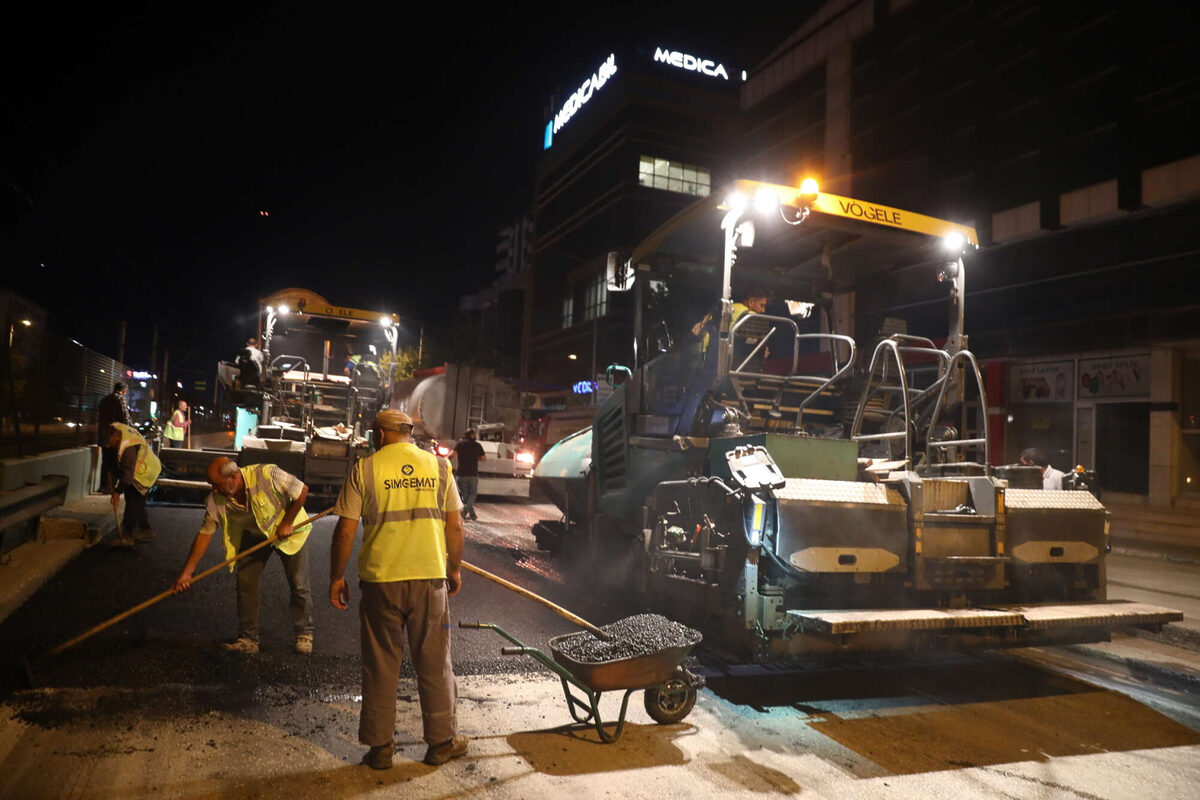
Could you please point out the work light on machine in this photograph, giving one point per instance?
(954, 242)
(385, 321)
(765, 200)
(809, 189)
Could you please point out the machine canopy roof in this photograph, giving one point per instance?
(841, 244)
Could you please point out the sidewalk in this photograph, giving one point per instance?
(63, 533)
(1172, 534)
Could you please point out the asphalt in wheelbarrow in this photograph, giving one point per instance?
(644, 651)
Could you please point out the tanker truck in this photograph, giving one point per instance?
(752, 476)
(445, 401)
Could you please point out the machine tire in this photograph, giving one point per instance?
(671, 702)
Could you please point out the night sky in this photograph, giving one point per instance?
(139, 146)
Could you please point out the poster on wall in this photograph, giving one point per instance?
(1121, 376)
(1044, 382)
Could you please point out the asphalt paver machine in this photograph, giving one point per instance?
(759, 477)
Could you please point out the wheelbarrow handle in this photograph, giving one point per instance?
(514, 651)
(557, 609)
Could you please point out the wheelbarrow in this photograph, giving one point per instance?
(669, 689)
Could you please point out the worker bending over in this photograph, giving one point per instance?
(253, 504)
(408, 566)
(135, 468)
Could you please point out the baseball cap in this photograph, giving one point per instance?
(390, 419)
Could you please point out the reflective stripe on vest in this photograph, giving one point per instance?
(404, 490)
(371, 515)
(148, 467)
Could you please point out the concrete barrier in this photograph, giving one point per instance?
(79, 464)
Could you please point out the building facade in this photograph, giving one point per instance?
(638, 134)
(1062, 131)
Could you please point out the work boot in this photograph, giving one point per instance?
(304, 643)
(123, 543)
(379, 757)
(243, 644)
(439, 754)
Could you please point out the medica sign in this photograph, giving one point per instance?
(691, 63)
(579, 98)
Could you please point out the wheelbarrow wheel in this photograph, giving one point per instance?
(671, 702)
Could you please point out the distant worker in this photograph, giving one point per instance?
(135, 470)
(1051, 478)
(253, 504)
(352, 361)
(753, 300)
(177, 425)
(468, 453)
(111, 409)
(408, 567)
(250, 364)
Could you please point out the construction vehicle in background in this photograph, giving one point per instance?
(307, 400)
(760, 482)
(445, 401)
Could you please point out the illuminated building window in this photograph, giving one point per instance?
(658, 173)
(595, 298)
(568, 318)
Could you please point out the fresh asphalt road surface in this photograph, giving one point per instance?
(1061, 722)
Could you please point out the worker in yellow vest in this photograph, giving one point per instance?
(177, 425)
(135, 468)
(408, 567)
(252, 504)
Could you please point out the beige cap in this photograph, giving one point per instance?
(390, 419)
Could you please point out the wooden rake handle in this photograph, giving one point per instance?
(90, 632)
(557, 609)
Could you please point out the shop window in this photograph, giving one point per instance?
(1123, 447)
(672, 176)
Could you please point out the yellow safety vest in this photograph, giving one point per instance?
(739, 309)
(145, 471)
(171, 431)
(267, 505)
(404, 522)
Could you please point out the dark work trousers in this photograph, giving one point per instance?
(388, 611)
(173, 442)
(468, 490)
(249, 583)
(136, 518)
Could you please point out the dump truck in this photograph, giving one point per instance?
(445, 401)
(754, 476)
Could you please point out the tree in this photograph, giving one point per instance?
(403, 365)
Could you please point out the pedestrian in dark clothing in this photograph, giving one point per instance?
(468, 454)
(112, 409)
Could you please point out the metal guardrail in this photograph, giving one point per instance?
(19, 506)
